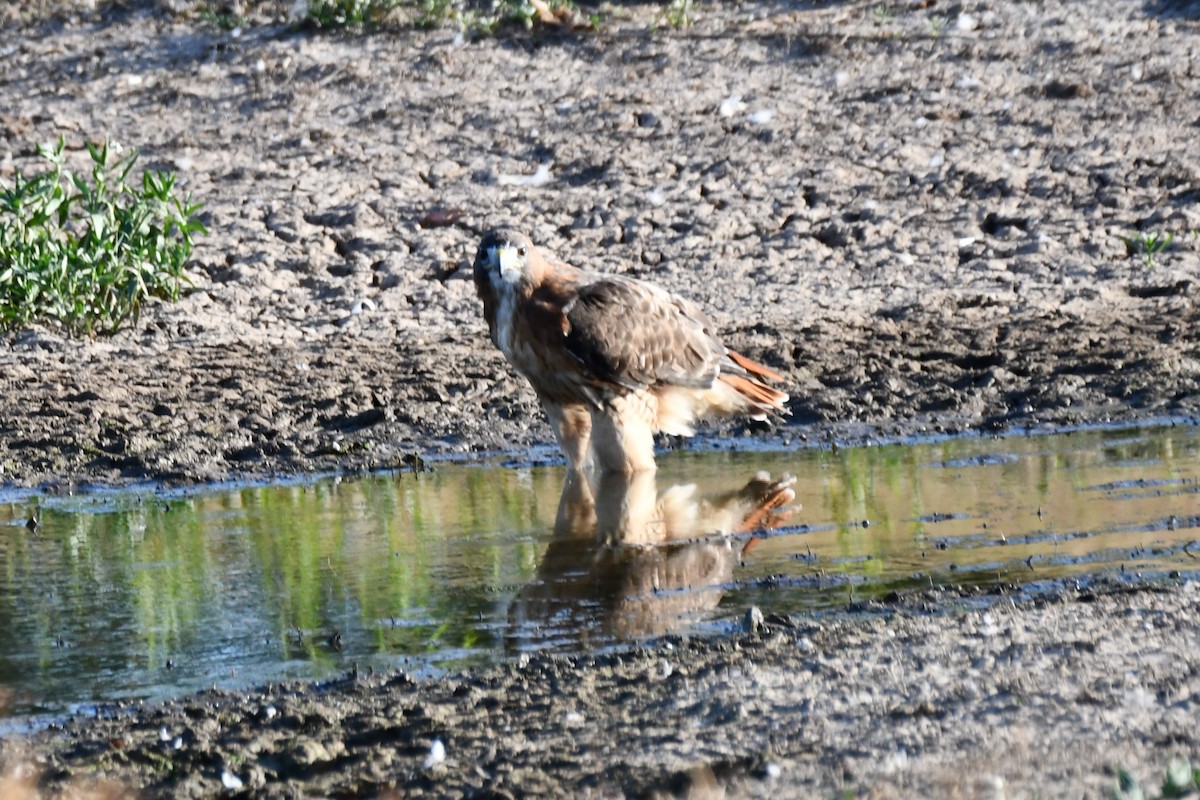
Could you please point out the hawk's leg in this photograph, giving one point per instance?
(572, 426)
(622, 436)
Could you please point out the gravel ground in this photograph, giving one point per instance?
(916, 212)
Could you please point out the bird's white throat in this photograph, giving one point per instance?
(504, 319)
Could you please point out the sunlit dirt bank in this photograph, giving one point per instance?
(926, 216)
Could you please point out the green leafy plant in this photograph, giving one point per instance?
(222, 19)
(434, 12)
(486, 18)
(86, 253)
(471, 15)
(1148, 245)
(341, 13)
(1180, 779)
(678, 13)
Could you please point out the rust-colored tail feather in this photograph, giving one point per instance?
(763, 399)
(753, 367)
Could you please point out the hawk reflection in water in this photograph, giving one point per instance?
(629, 561)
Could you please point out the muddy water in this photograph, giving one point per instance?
(124, 596)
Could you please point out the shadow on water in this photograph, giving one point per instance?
(118, 596)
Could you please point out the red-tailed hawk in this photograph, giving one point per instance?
(613, 360)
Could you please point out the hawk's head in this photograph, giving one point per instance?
(504, 258)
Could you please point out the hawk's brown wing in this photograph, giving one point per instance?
(636, 335)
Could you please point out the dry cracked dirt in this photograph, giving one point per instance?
(924, 214)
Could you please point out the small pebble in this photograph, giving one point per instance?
(437, 754)
(731, 105)
(753, 621)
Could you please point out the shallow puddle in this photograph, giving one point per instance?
(120, 596)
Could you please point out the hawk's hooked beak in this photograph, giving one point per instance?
(509, 262)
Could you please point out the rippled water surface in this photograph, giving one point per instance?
(144, 595)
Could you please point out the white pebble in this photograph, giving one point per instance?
(539, 178)
(574, 718)
(1137, 71)
(656, 198)
(731, 105)
(937, 161)
(164, 735)
(897, 761)
(841, 78)
(178, 743)
(183, 163)
(763, 116)
(230, 781)
(437, 754)
(966, 22)
(773, 770)
(134, 80)
(362, 305)
(968, 82)
(260, 66)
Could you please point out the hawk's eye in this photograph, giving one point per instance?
(521, 250)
